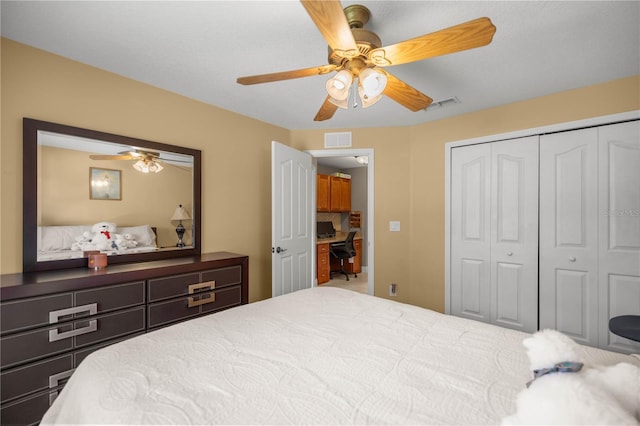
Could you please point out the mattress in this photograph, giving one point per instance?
(316, 356)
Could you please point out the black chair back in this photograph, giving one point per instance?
(348, 244)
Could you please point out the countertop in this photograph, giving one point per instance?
(340, 237)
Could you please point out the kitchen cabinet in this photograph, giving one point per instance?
(333, 194)
(323, 194)
(340, 194)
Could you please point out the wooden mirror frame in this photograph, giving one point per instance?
(30, 129)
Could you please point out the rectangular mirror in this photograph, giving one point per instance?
(86, 190)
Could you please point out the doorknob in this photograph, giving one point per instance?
(280, 250)
(509, 253)
(572, 259)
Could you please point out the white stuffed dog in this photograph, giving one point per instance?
(567, 392)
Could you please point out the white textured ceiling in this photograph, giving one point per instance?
(198, 49)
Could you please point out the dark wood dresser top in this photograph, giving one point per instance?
(28, 284)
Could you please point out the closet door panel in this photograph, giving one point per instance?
(569, 234)
(571, 290)
(514, 233)
(470, 229)
(619, 229)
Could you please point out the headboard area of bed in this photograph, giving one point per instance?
(69, 242)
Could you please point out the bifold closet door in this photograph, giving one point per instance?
(619, 229)
(514, 234)
(494, 233)
(569, 234)
(471, 232)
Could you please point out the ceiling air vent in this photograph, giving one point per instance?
(443, 103)
(337, 140)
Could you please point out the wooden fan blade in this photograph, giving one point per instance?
(333, 25)
(112, 157)
(405, 95)
(468, 35)
(326, 111)
(286, 75)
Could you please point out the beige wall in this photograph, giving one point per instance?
(409, 161)
(409, 178)
(236, 194)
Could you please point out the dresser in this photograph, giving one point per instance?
(50, 321)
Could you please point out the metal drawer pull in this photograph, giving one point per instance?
(203, 300)
(52, 397)
(55, 335)
(54, 379)
(54, 316)
(54, 382)
(209, 285)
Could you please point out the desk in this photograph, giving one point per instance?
(323, 260)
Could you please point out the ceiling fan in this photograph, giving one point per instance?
(357, 53)
(146, 161)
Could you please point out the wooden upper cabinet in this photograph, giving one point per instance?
(340, 194)
(345, 195)
(323, 194)
(333, 193)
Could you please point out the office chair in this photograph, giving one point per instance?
(344, 251)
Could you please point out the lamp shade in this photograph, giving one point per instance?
(372, 82)
(180, 214)
(338, 86)
(367, 100)
(339, 103)
(148, 166)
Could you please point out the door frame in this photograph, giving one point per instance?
(553, 128)
(348, 152)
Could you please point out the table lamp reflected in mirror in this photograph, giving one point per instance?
(180, 214)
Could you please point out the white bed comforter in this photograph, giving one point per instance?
(317, 356)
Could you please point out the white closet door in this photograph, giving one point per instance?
(514, 234)
(470, 231)
(568, 234)
(619, 216)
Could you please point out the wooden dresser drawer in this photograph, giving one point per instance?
(21, 348)
(27, 411)
(35, 312)
(39, 376)
(46, 375)
(166, 312)
(182, 285)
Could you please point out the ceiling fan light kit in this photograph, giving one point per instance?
(338, 86)
(147, 161)
(356, 53)
(148, 166)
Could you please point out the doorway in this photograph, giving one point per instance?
(325, 156)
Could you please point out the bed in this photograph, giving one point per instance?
(315, 356)
(62, 241)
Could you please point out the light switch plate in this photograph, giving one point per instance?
(394, 226)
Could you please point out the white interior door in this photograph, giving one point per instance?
(470, 232)
(292, 183)
(569, 234)
(514, 234)
(619, 229)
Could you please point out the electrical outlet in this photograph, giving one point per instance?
(392, 289)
